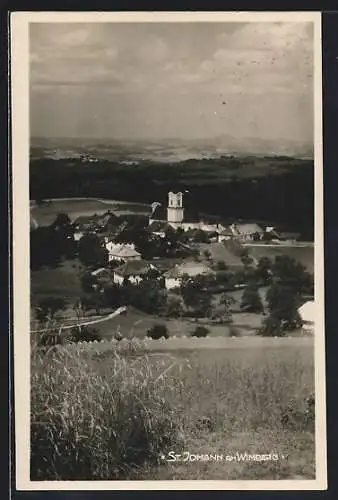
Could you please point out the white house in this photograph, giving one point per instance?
(122, 251)
(173, 277)
(78, 235)
(134, 271)
(307, 314)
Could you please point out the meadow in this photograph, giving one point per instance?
(117, 412)
(45, 214)
(303, 254)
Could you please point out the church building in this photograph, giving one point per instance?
(177, 216)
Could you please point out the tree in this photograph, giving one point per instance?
(247, 261)
(283, 303)
(227, 301)
(251, 300)
(146, 296)
(221, 266)
(200, 331)
(287, 271)
(172, 236)
(263, 270)
(82, 306)
(256, 236)
(91, 251)
(88, 282)
(113, 295)
(44, 248)
(207, 254)
(48, 307)
(195, 296)
(158, 331)
(62, 221)
(174, 307)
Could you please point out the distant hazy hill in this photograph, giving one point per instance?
(169, 150)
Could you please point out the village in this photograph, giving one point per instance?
(175, 266)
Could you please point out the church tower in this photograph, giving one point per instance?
(175, 210)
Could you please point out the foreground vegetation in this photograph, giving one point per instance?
(116, 414)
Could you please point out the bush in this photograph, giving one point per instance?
(296, 416)
(234, 331)
(200, 331)
(158, 331)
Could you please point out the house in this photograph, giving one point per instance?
(122, 251)
(173, 277)
(78, 235)
(134, 271)
(307, 313)
(247, 231)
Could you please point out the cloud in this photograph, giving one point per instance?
(137, 74)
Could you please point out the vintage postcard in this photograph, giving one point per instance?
(168, 251)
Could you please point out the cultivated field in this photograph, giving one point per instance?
(76, 207)
(115, 413)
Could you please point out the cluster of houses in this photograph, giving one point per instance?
(133, 268)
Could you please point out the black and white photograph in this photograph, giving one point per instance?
(168, 253)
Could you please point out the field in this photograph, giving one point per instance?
(303, 254)
(247, 396)
(76, 207)
(63, 281)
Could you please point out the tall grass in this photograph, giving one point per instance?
(92, 424)
(112, 414)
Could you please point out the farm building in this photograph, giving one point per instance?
(307, 314)
(173, 277)
(247, 232)
(122, 251)
(133, 271)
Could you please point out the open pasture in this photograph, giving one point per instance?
(136, 323)
(303, 254)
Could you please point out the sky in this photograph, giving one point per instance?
(168, 80)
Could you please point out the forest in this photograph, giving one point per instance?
(277, 190)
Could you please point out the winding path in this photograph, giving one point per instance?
(118, 311)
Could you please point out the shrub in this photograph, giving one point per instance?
(200, 331)
(158, 331)
(299, 416)
(234, 331)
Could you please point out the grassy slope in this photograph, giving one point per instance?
(243, 392)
